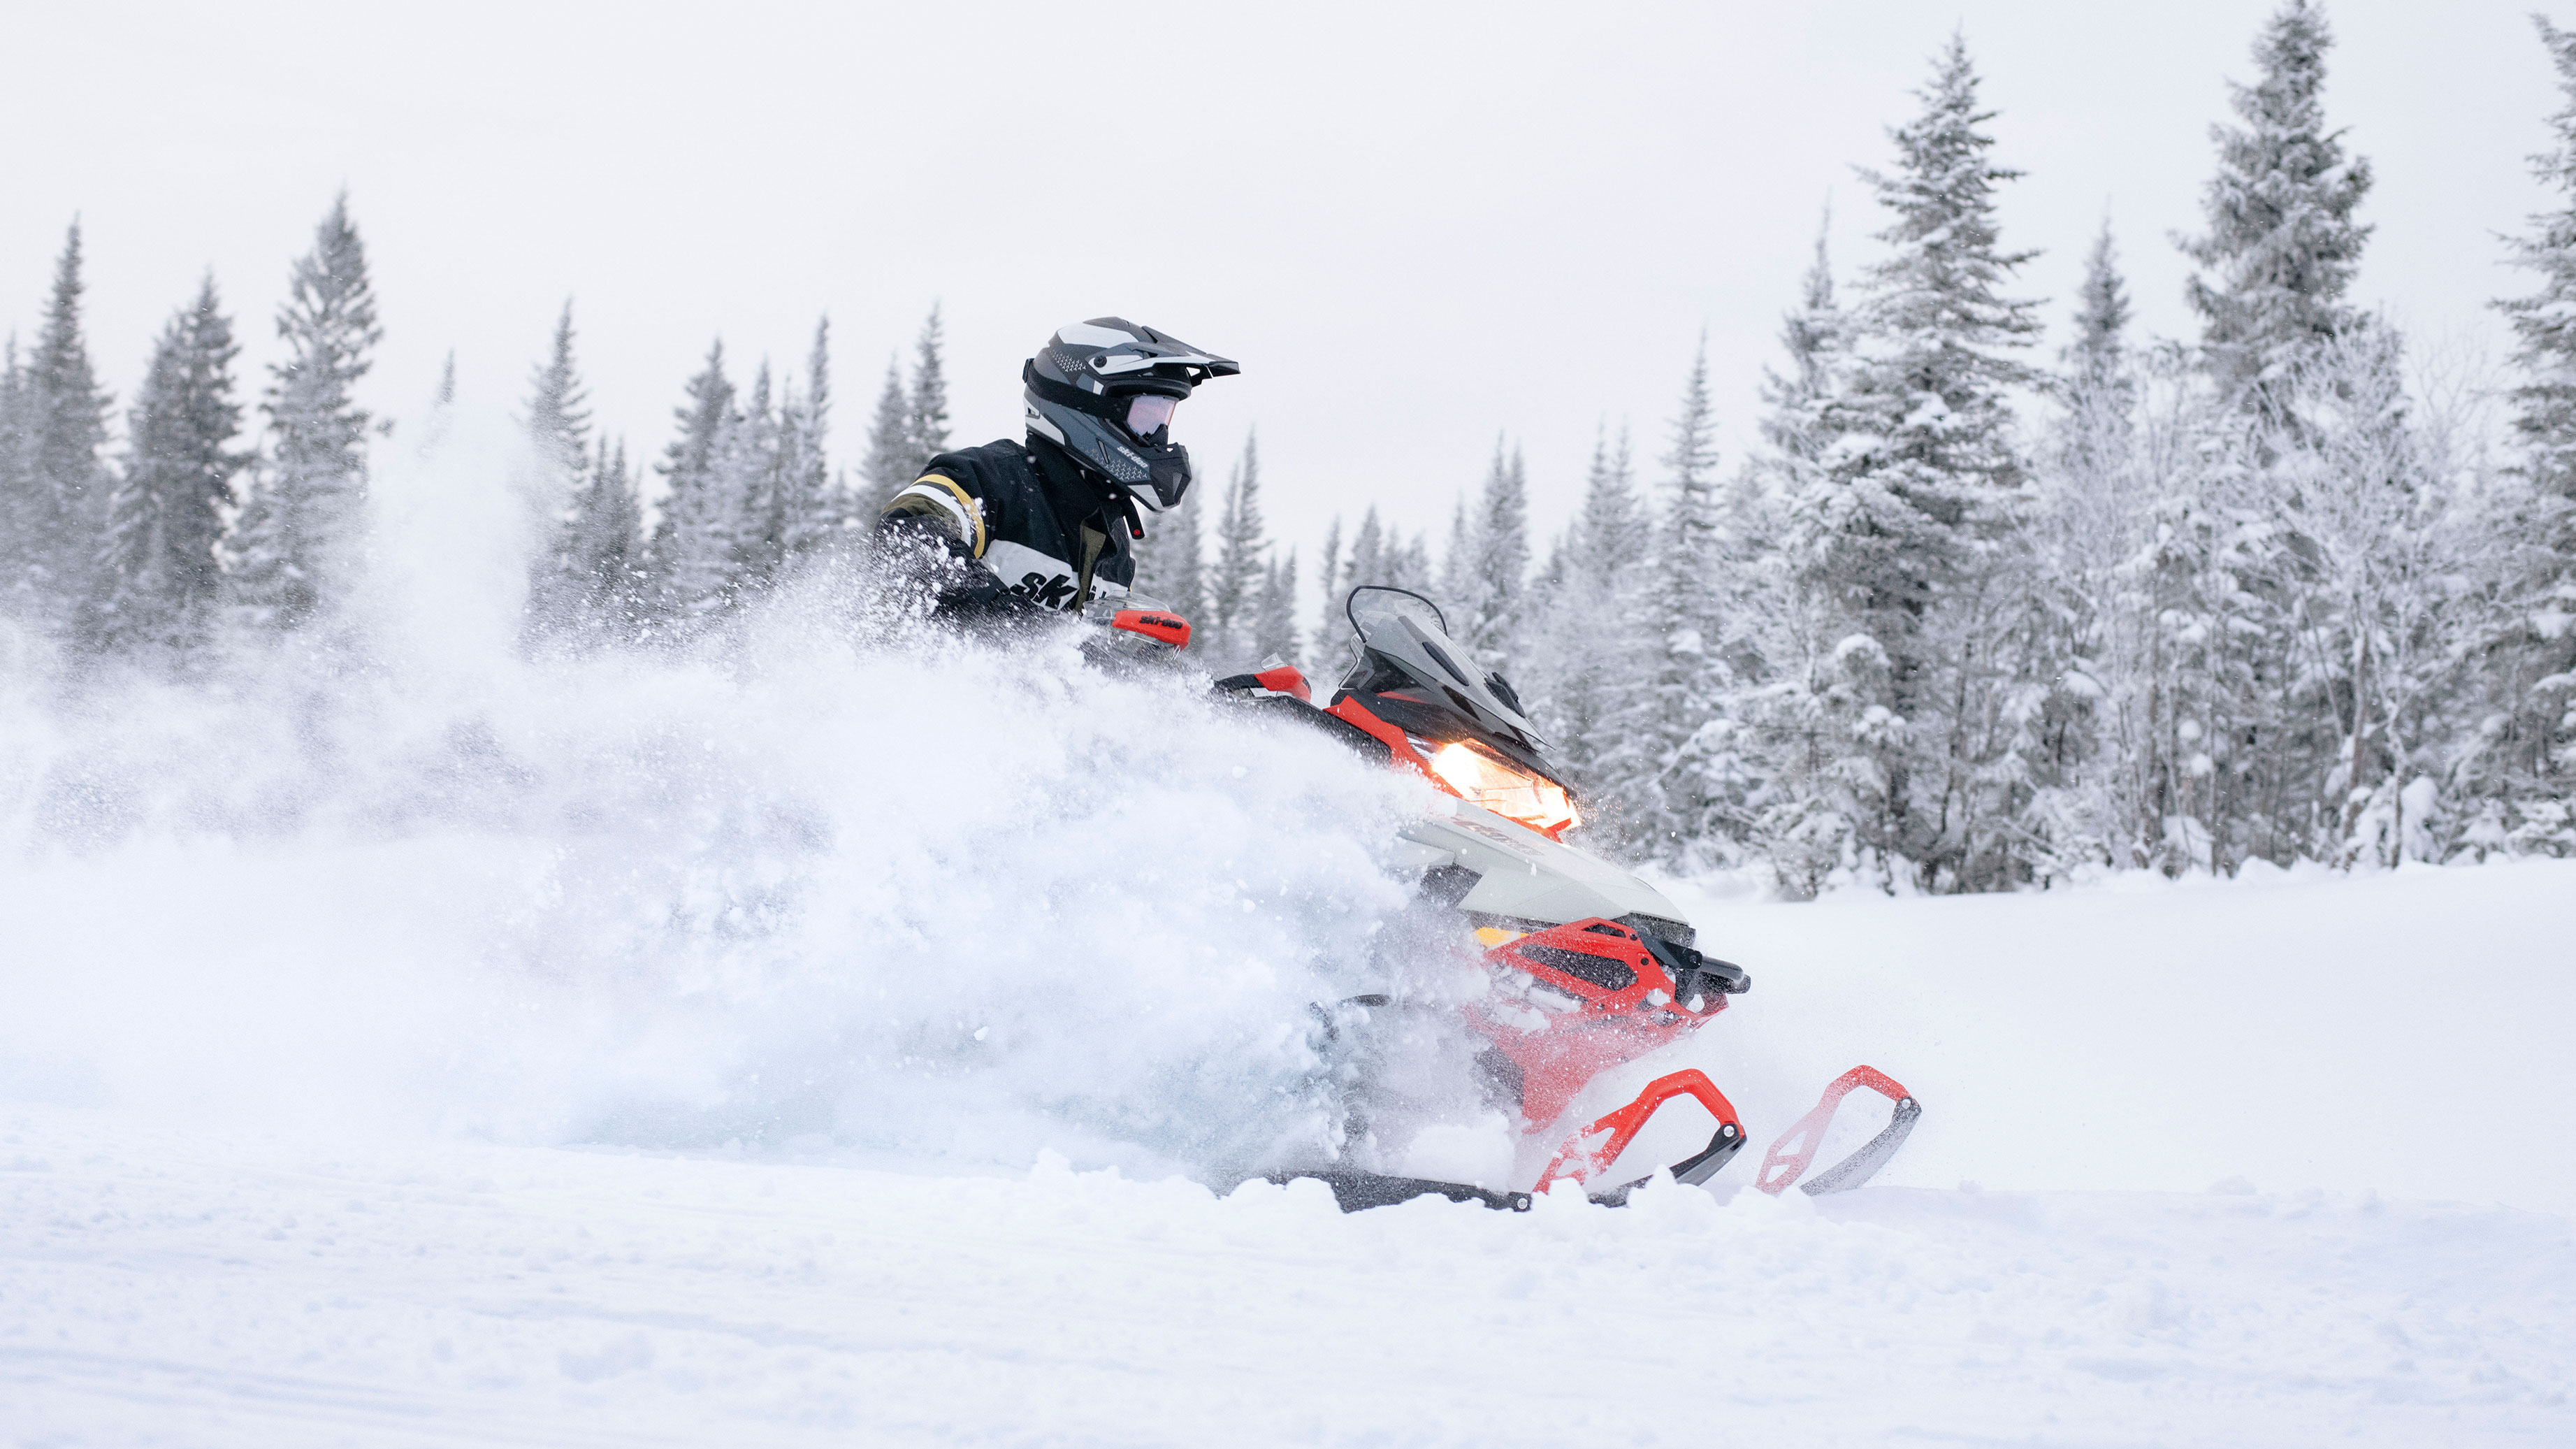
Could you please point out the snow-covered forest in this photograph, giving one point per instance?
(1972, 618)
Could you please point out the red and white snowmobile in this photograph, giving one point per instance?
(1590, 967)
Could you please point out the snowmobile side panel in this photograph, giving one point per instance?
(1359, 1191)
(1526, 876)
(1796, 1147)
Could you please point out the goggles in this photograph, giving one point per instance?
(1149, 412)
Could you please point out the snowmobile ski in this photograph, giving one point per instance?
(1790, 1155)
(1599, 1145)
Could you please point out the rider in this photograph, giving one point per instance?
(1012, 532)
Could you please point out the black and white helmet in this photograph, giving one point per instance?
(1105, 390)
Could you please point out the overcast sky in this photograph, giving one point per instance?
(1418, 226)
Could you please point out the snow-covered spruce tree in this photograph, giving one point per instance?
(558, 429)
(929, 410)
(2523, 770)
(754, 472)
(812, 511)
(1170, 566)
(2387, 537)
(65, 480)
(1914, 526)
(21, 503)
(1457, 572)
(1329, 622)
(1274, 627)
(2282, 244)
(889, 467)
(1693, 809)
(1242, 549)
(1408, 562)
(602, 547)
(294, 545)
(1494, 575)
(2287, 555)
(706, 523)
(2096, 751)
(1367, 562)
(1579, 670)
(158, 578)
(1798, 696)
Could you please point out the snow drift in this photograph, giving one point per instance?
(823, 881)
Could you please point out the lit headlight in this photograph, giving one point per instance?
(1483, 778)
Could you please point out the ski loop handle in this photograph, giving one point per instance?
(1788, 1157)
(1576, 1163)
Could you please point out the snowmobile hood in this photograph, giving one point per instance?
(1504, 870)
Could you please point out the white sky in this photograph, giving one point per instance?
(1416, 225)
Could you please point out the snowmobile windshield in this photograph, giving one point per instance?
(1407, 629)
(1373, 607)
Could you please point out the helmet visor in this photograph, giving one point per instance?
(1147, 413)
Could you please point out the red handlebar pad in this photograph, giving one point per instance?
(1171, 629)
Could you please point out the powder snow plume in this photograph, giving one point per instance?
(830, 883)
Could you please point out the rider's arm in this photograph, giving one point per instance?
(936, 531)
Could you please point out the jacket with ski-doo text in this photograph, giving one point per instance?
(1011, 532)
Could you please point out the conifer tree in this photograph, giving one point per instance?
(754, 478)
(2530, 769)
(294, 545)
(1368, 563)
(2544, 323)
(1498, 571)
(22, 504)
(929, 411)
(811, 504)
(159, 580)
(701, 536)
(558, 422)
(558, 429)
(1458, 563)
(1170, 566)
(1242, 546)
(1408, 565)
(1679, 811)
(1582, 667)
(2282, 244)
(890, 466)
(599, 555)
(66, 480)
(1328, 581)
(1274, 632)
(1921, 501)
(1815, 334)
(1609, 537)
(2086, 622)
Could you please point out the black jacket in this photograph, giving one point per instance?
(1003, 532)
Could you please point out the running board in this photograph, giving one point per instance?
(1359, 1191)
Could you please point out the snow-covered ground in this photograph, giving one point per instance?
(816, 1042)
(2262, 1164)
(173, 1287)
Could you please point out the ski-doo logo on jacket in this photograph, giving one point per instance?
(1039, 579)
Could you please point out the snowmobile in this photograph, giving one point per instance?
(1588, 966)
